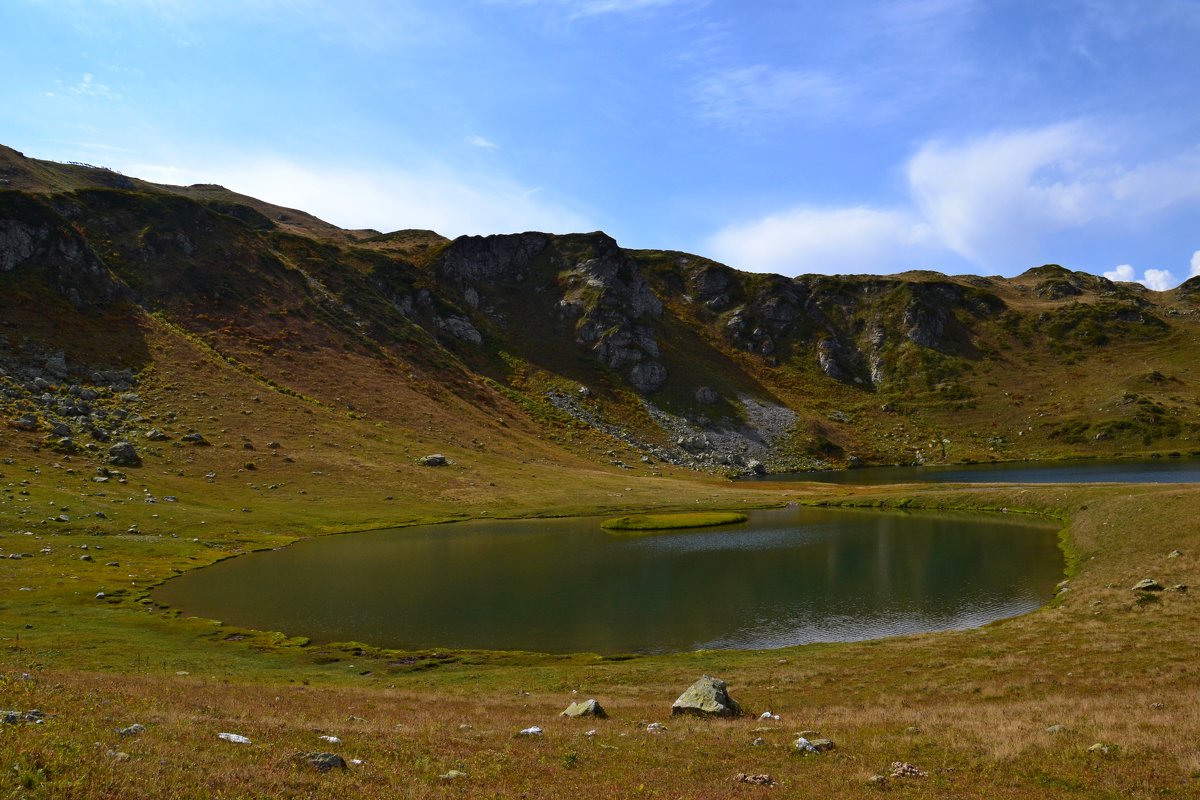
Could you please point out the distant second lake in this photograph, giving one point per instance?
(788, 576)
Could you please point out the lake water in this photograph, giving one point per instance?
(1158, 470)
(786, 577)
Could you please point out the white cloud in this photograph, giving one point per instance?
(748, 97)
(482, 142)
(1123, 272)
(989, 198)
(993, 201)
(431, 197)
(827, 241)
(1195, 264)
(1158, 280)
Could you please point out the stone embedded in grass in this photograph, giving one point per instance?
(1175, 554)
(1099, 748)
(1179, 587)
(236, 738)
(756, 780)
(453, 775)
(330, 739)
(1054, 729)
(324, 762)
(433, 460)
(133, 730)
(656, 727)
(532, 730)
(902, 769)
(584, 708)
(1147, 585)
(707, 697)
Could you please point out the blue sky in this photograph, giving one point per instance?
(853, 137)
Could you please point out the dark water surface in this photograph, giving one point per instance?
(786, 577)
(1157, 470)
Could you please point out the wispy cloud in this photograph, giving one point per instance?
(433, 196)
(749, 97)
(825, 240)
(482, 142)
(88, 86)
(992, 201)
(591, 8)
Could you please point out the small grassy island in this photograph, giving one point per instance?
(651, 523)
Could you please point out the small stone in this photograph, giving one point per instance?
(1179, 587)
(584, 708)
(656, 727)
(1099, 748)
(100, 595)
(1054, 729)
(330, 739)
(823, 745)
(324, 762)
(532, 730)
(902, 769)
(804, 745)
(758, 741)
(453, 775)
(116, 755)
(433, 460)
(1147, 585)
(878, 781)
(769, 715)
(1175, 554)
(132, 730)
(757, 780)
(236, 738)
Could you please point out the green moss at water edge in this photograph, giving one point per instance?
(645, 523)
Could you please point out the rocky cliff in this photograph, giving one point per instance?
(669, 356)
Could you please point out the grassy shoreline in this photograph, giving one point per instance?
(979, 700)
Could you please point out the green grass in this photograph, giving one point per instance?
(649, 523)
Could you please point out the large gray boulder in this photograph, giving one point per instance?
(707, 697)
(122, 454)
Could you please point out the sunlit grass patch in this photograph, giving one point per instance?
(648, 523)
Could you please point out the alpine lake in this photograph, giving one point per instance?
(785, 577)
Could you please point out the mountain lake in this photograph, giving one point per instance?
(786, 577)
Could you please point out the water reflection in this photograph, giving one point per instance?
(786, 577)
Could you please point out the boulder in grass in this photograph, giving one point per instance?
(123, 454)
(584, 708)
(433, 460)
(323, 762)
(1147, 585)
(707, 697)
